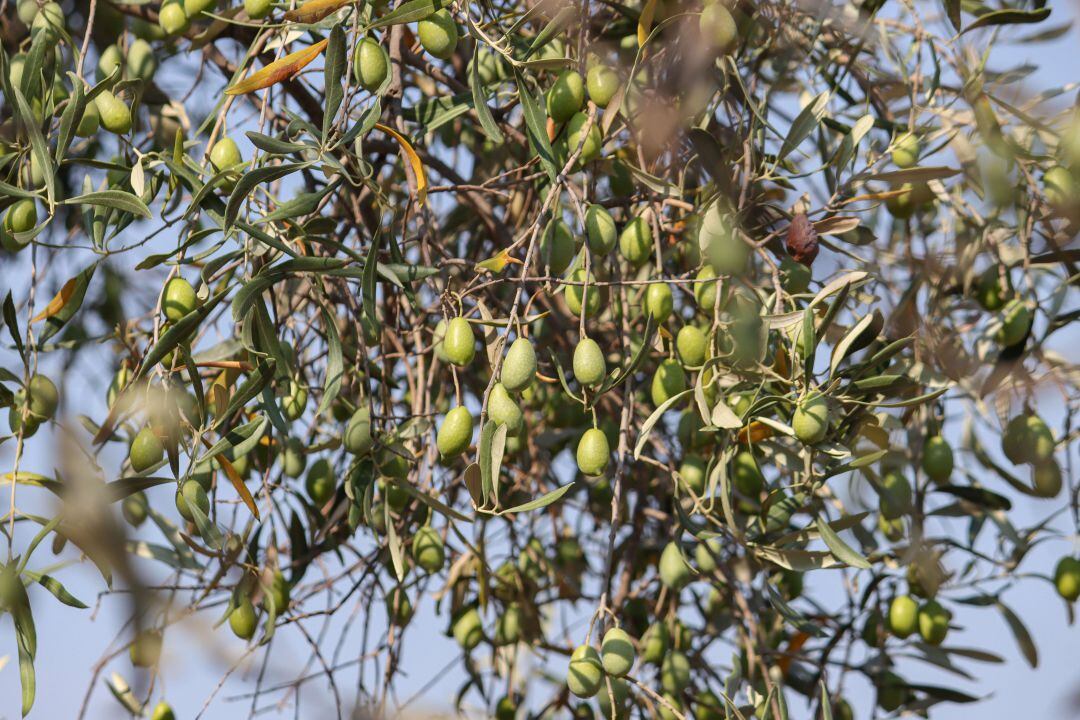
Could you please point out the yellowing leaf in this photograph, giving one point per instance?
(645, 22)
(498, 262)
(414, 161)
(58, 302)
(315, 10)
(237, 481)
(279, 70)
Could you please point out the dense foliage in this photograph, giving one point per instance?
(686, 358)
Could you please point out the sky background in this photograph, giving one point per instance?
(195, 659)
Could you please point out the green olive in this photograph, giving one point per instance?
(145, 649)
(600, 230)
(636, 241)
(468, 629)
(519, 366)
(320, 482)
(669, 381)
(1067, 578)
(811, 419)
(718, 28)
(617, 653)
(602, 82)
(566, 96)
(590, 368)
(459, 343)
(371, 64)
(455, 433)
(905, 153)
(172, 18)
(593, 452)
(503, 410)
(428, 550)
(357, 439)
(933, 622)
(257, 9)
(590, 141)
(146, 450)
(585, 674)
(903, 616)
(178, 299)
(115, 116)
(556, 247)
(438, 34)
(674, 572)
(242, 619)
(691, 345)
(937, 459)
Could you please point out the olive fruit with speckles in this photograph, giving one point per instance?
(589, 364)
(636, 241)
(600, 230)
(459, 343)
(590, 140)
(691, 345)
(669, 381)
(115, 116)
(659, 302)
(455, 433)
(519, 366)
(503, 410)
(593, 452)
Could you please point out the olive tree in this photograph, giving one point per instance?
(681, 358)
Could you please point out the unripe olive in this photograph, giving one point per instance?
(145, 650)
(669, 381)
(617, 652)
(621, 690)
(89, 122)
(912, 197)
(141, 62)
(371, 64)
(937, 459)
(893, 529)
(506, 708)
(654, 643)
(585, 674)
(600, 230)
(903, 616)
(636, 241)
(294, 403)
(146, 450)
(575, 294)
(722, 244)
(1067, 578)
(602, 82)
(519, 366)
(718, 28)
(42, 396)
(257, 9)
(1060, 187)
(811, 419)
(455, 433)
(709, 707)
(190, 492)
(110, 59)
(459, 343)
(172, 18)
(674, 572)
(163, 711)
(933, 622)
(705, 289)
(746, 474)
(134, 508)
(26, 10)
(705, 555)
(590, 141)
(895, 495)
(320, 482)
(593, 452)
(394, 461)
(49, 20)
(589, 364)
(891, 691)
(115, 116)
(225, 156)
(194, 8)
(398, 607)
(242, 619)
(692, 472)
(277, 593)
(179, 299)
(357, 439)
(502, 410)
(565, 97)
(1027, 439)
(428, 550)
(991, 291)
(438, 34)
(905, 152)
(556, 247)
(675, 673)
(691, 345)
(1015, 323)
(468, 629)
(292, 459)
(659, 302)
(1046, 477)
(508, 626)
